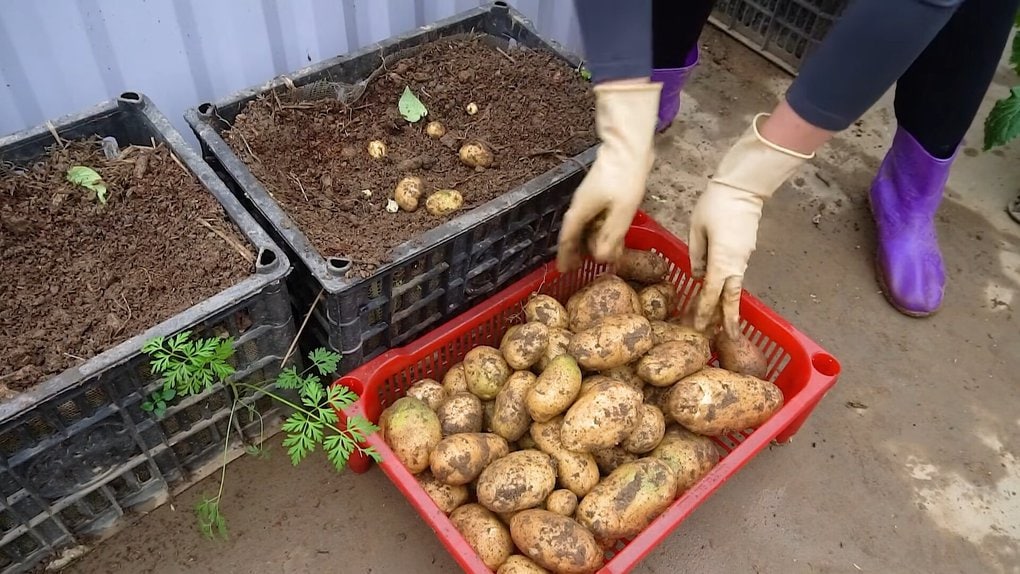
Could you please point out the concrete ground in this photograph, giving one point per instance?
(908, 465)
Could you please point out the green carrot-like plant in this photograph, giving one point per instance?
(1003, 123)
(191, 366)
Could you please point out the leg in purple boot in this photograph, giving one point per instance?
(673, 80)
(676, 27)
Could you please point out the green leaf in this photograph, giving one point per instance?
(1014, 57)
(289, 379)
(152, 345)
(148, 406)
(325, 361)
(210, 522)
(341, 397)
(338, 450)
(312, 394)
(89, 179)
(169, 394)
(585, 73)
(411, 107)
(372, 453)
(1003, 122)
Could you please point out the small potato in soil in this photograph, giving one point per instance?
(435, 130)
(658, 301)
(484, 531)
(690, 455)
(612, 342)
(518, 564)
(377, 149)
(671, 361)
(459, 413)
(429, 391)
(576, 471)
(460, 458)
(555, 542)
(562, 502)
(518, 481)
(714, 402)
(444, 202)
(609, 459)
(559, 340)
(740, 356)
(412, 431)
(547, 310)
(602, 417)
(446, 497)
(628, 500)
(555, 389)
(407, 193)
(606, 296)
(486, 371)
(642, 266)
(455, 381)
(510, 418)
(475, 154)
(523, 345)
(648, 432)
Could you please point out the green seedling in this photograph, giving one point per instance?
(89, 179)
(1003, 123)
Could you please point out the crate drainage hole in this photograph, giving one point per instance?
(338, 264)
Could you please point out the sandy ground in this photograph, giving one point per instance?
(909, 464)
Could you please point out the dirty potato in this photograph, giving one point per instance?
(556, 542)
(526, 442)
(555, 389)
(486, 371)
(460, 458)
(475, 154)
(690, 455)
(446, 497)
(740, 356)
(518, 564)
(609, 459)
(559, 340)
(455, 381)
(546, 310)
(412, 431)
(510, 417)
(488, 411)
(460, 412)
(714, 402)
(588, 382)
(429, 391)
(523, 345)
(612, 342)
(606, 296)
(484, 532)
(656, 396)
(576, 471)
(562, 502)
(408, 192)
(658, 301)
(671, 361)
(628, 500)
(435, 130)
(648, 433)
(518, 481)
(444, 202)
(641, 266)
(601, 418)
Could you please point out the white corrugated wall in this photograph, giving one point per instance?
(59, 56)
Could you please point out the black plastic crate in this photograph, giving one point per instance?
(435, 275)
(784, 31)
(77, 452)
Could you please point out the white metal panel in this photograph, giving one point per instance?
(60, 56)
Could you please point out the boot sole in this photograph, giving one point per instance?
(880, 279)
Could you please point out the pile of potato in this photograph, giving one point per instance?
(583, 426)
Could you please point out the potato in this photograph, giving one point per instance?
(588, 382)
(656, 396)
(714, 402)
(546, 310)
(488, 411)
(628, 500)
(641, 266)
(510, 417)
(609, 459)
(444, 202)
(523, 345)
(518, 481)
(471, 108)
(412, 431)
(475, 154)
(624, 374)
(446, 497)
(663, 332)
(648, 432)
(484, 532)
(559, 340)
(576, 471)
(562, 502)
(555, 389)
(429, 391)
(435, 130)
(526, 442)
(518, 564)
(556, 542)
(461, 412)
(690, 455)
(658, 301)
(740, 356)
(671, 361)
(612, 342)
(460, 458)
(377, 149)
(407, 193)
(606, 296)
(601, 418)
(486, 371)
(455, 381)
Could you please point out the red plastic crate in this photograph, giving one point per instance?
(799, 366)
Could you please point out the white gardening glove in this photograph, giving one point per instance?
(724, 225)
(625, 116)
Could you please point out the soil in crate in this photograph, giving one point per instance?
(80, 277)
(534, 112)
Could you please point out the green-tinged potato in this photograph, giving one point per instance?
(485, 533)
(460, 458)
(641, 266)
(663, 332)
(625, 374)
(510, 417)
(714, 402)
(459, 413)
(690, 455)
(628, 500)
(559, 340)
(588, 382)
(518, 481)
(646, 435)
(486, 371)
(555, 542)
(428, 391)
(444, 202)
(555, 389)
(454, 381)
(740, 356)
(612, 342)
(606, 296)
(671, 361)
(518, 564)
(412, 431)
(546, 310)
(562, 502)
(602, 417)
(446, 497)
(609, 459)
(523, 345)
(658, 301)
(575, 471)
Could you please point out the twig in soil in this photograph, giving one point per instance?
(466, 179)
(128, 320)
(301, 329)
(181, 165)
(75, 357)
(53, 131)
(248, 147)
(298, 182)
(248, 257)
(500, 50)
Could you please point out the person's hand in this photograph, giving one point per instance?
(625, 116)
(724, 225)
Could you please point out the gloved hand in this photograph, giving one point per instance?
(724, 225)
(625, 116)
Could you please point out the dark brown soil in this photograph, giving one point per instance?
(79, 277)
(534, 111)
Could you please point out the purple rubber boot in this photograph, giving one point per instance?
(904, 198)
(673, 80)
